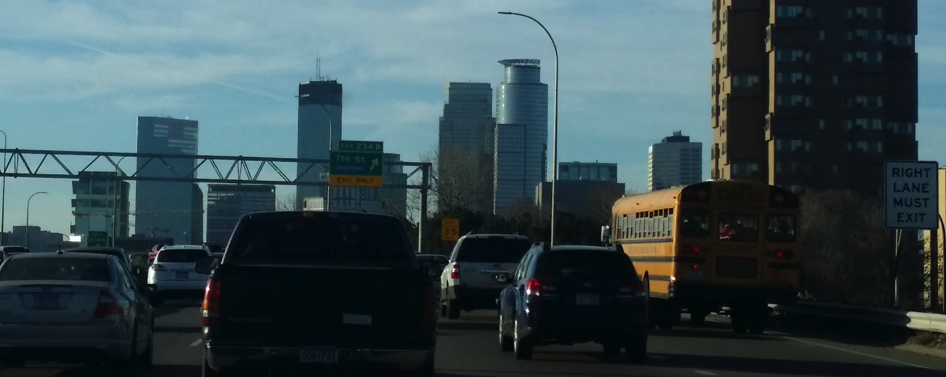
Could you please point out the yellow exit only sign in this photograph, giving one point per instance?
(355, 180)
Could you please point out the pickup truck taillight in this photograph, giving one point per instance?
(455, 272)
(211, 309)
(429, 308)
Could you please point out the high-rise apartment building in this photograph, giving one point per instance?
(100, 199)
(813, 94)
(522, 130)
(168, 209)
(227, 203)
(588, 171)
(467, 133)
(320, 115)
(675, 161)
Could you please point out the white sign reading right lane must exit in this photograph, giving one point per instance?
(911, 194)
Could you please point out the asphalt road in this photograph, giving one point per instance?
(468, 347)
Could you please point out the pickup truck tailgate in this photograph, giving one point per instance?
(305, 305)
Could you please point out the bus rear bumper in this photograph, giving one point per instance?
(707, 295)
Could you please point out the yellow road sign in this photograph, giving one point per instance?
(450, 229)
(355, 180)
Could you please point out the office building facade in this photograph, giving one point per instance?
(813, 95)
(467, 133)
(675, 161)
(521, 139)
(227, 203)
(320, 119)
(100, 199)
(588, 171)
(167, 209)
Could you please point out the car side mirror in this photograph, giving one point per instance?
(502, 278)
(205, 265)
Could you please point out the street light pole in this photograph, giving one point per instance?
(3, 195)
(28, 216)
(554, 123)
(116, 186)
(328, 189)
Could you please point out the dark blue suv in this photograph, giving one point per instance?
(574, 294)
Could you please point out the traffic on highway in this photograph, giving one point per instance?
(338, 293)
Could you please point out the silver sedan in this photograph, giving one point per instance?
(73, 307)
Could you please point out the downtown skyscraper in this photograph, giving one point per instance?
(522, 130)
(320, 118)
(465, 152)
(813, 94)
(168, 209)
(675, 161)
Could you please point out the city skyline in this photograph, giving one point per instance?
(626, 80)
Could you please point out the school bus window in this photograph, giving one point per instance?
(738, 227)
(670, 224)
(694, 223)
(781, 229)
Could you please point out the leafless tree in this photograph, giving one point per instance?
(286, 202)
(460, 180)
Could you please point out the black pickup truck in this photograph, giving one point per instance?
(318, 291)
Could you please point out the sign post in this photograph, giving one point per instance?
(911, 201)
(450, 229)
(357, 163)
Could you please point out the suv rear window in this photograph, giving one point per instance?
(180, 255)
(493, 250)
(55, 268)
(582, 263)
(322, 239)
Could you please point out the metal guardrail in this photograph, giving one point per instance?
(912, 320)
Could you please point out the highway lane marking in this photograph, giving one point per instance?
(858, 353)
(197, 342)
(705, 372)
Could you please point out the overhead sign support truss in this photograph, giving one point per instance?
(37, 163)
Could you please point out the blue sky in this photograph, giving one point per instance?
(76, 75)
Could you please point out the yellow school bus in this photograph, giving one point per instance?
(712, 244)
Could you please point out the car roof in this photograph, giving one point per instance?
(60, 255)
(95, 249)
(581, 248)
(506, 236)
(185, 247)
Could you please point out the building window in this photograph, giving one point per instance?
(861, 145)
(835, 80)
(880, 146)
(847, 124)
(820, 35)
(848, 147)
(877, 124)
(725, 38)
(778, 100)
(847, 57)
(834, 169)
(723, 125)
(778, 167)
(724, 148)
(820, 124)
(725, 60)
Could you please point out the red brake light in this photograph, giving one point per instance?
(696, 249)
(696, 267)
(455, 273)
(779, 255)
(210, 312)
(106, 306)
(533, 287)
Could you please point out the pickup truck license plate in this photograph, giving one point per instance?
(324, 355)
(181, 275)
(586, 299)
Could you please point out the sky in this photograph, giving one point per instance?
(77, 74)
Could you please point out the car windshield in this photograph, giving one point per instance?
(582, 264)
(493, 250)
(322, 239)
(180, 255)
(55, 268)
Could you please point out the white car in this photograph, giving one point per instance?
(172, 273)
(468, 282)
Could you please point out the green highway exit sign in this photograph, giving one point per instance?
(357, 163)
(97, 239)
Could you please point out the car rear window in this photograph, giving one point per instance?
(180, 255)
(322, 239)
(55, 268)
(493, 250)
(583, 263)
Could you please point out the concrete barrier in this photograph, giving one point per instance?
(912, 320)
